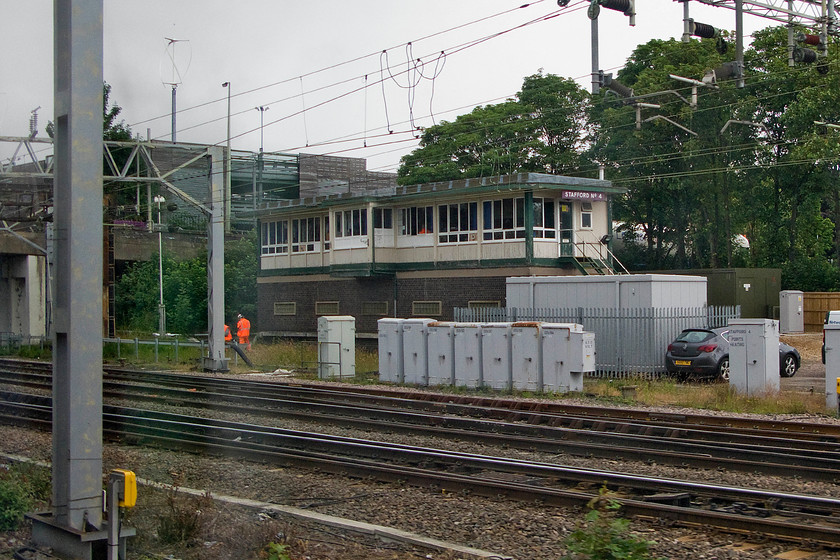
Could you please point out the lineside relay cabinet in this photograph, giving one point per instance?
(529, 356)
(336, 346)
(754, 355)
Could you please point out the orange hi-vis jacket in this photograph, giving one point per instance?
(243, 329)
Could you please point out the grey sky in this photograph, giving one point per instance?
(273, 49)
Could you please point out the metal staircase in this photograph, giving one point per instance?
(596, 259)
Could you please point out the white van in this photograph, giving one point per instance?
(831, 318)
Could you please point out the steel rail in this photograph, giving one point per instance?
(811, 460)
(360, 458)
(610, 433)
(807, 430)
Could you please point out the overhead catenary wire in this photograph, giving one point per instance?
(347, 62)
(449, 52)
(382, 145)
(680, 155)
(238, 94)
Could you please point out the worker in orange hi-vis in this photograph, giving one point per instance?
(243, 331)
(228, 335)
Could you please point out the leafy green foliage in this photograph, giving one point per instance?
(756, 166)
(241, 268)
(185, 290)
(543, 130)
(14, 502)
(605, 536)
(276, 551)
(21, 486)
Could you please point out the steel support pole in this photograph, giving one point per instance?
(174, 87)
(216, 361)
(596, 82)
(739, 40)
(161, 305)
(228, 169)
(77, 347)
(790, 35)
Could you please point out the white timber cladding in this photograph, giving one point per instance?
(472, 228)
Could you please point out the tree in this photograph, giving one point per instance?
(185, 289)
(542, 130)
(800, 182)
(676, 207)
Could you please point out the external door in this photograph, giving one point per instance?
(566, 247)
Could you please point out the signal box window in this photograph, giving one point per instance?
(417, 220)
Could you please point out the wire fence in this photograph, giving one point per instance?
(628, 342)
(169, 349)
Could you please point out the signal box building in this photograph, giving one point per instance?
(422, 250)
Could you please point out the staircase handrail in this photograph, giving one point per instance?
(599, 251)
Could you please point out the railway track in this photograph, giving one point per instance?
(784, 516)
(811, 452)
(812, 456)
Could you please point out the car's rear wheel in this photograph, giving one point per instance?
(723, 370)
(788, 368)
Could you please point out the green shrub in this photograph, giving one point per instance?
(605, 536)
(36, 481)
(14, 502)
(276, 551)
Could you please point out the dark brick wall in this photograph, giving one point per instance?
(351, 293)
(452, 292)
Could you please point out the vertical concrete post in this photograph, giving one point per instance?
(77, 348)
(216, 361)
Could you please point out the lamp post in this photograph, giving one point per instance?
(227, 163)
(262, 109)
(159, 199)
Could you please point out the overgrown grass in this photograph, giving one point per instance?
(302, 358)
(708, 396)
(184, 519)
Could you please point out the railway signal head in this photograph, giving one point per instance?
(606, 80)
(627, 7)
(803, 55)
(706, 31)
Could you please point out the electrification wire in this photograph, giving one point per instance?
(694, 155)
(779, 94)
(346, 62)
(457, 48)
(450, 52)
(389, 125)
(303, 110)
(756, 77)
